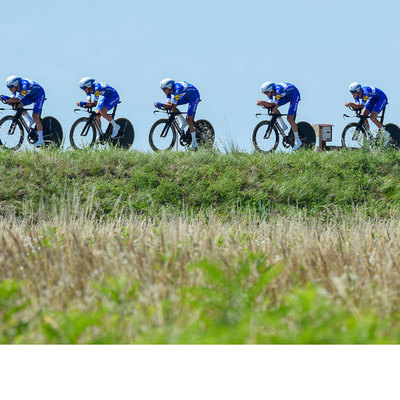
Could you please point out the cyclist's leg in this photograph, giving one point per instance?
(37, 111)
(379, 106)
(106, 105)
(193, 103)
(294, 102)
(366, 111)
(25, 102)
(99, 113)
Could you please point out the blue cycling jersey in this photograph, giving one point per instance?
(369, 93)
(28, 89)
(102, 89)
(282, 90)
(183, 91)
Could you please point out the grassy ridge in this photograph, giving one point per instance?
(117, 181)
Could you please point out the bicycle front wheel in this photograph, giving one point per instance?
(352, 138)
(205, 134)
(52, 131)
(82, 134)
(265, 137)
(126, 134)
(11, 134)
(162, 135)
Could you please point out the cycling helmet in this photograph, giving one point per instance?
(167, 83)
(354, 87)
(267, 87)
(86, 82)
(13, 81)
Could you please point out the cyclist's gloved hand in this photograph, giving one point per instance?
(4, 98)
(159, 105)
(82, 104)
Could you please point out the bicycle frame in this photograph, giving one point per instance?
(273, 123)
(363, 118)
(171, 121)
(17, 117)
(93, 119)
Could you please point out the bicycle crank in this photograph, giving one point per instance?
(186, 139)
(32, 136)
(287, 142)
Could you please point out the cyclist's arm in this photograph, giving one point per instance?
(9, 100)
(267, 104)
(88, 102)
(354, 105)
(93, 103)
(171, 104)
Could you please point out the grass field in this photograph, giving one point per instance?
(125, 247)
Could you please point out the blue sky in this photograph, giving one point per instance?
(225, 48)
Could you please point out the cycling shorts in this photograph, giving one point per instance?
(193, 102)
(376, 104)
(38, 101)
(108, 102)
(294, 99)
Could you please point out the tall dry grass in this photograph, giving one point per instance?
(355, 258)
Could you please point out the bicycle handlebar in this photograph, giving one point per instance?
(169, 112)
(270, 113)
(87, 109)
(15, 108)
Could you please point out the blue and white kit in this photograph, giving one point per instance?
(185, 93)
(31, 92)
(373, 99)
(110, 95)
(285, 93)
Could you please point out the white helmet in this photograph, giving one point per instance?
(354, 87)
(167, 83)
(267, 87)
(13, 81)
(86, 82)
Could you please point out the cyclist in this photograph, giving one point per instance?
(179, 93)
(372, 101)
(278, 95)
(25, 92)
(110, 99)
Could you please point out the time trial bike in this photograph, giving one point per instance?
(266, 134)
(163, 134)
(14, 127)
(85, 130)
(358, 134)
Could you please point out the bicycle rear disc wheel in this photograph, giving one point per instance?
(263, 141)
(82, 134)
(306, 134)
(52, 131)
(394, 132)
(353, 139)
(205, 134)
(11, 137)
(126, 134)
(162, 135)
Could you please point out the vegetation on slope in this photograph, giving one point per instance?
(117, 181)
